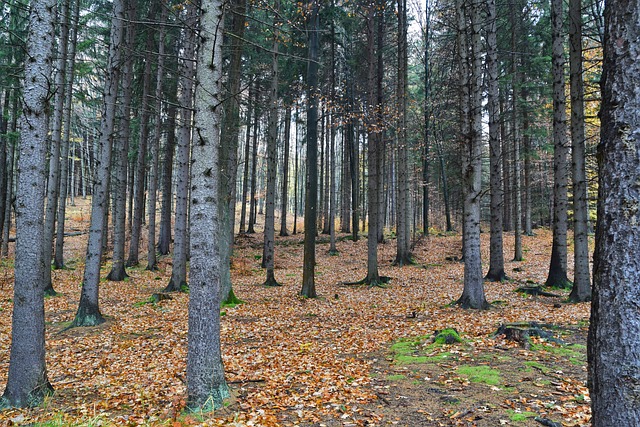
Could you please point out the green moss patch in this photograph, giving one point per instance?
(520, 416)
(480, 374)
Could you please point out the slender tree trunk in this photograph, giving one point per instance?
(152, 263)
(27, 382)
(427, 123)
(297, 178)
(88, 313)
(403, 248)
(517, 213)
(164, 236)
(528, 153)
(285, 172)
(4, 175)
(582, 280)
(614, 349)
(141, 159)
(272, 162)
(247, 153)
(206, 385)
(310, 211)
(64, 167)
(120, 154)
(254, 166)
(53, 183)
(178, 281)
(496, 256)
(507, 152)
(373, 276)
(12, 144)
(229, 152)
(558, 267)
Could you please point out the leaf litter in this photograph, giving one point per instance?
(328, 361)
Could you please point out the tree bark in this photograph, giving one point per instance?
(247, 154)
(121, 152)
(206, 385)
(558, 267)
(64, 167)
(152, 262)
(27, 382)
(88, 313)
(471, 114)
(141, 158)
(614, 349)
(285, 172)
(310, 211)
(272, 162)
(403, 247)
(53, 182)
(582, 279)
(496, 255)
(178, 281)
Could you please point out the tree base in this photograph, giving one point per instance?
(401, 261)
(231, 300)
(271, 281)
(152, 267)
(466, 303)
(33, 399)
(496, 276)
(333, 252)
(117, 274)
(378, 282)
(49, 291)
(536, 291)
(213, 401)
(87, 316)
(175, 287)
(575, 296)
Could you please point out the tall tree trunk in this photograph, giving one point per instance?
(427, 123)
(310, 211)
(27, 382)
(403, 247)
(581, 280)
(285, 172)
(272, 162)
(53, 183)
(4, 175)
(152, 263)
(473, 292)
(12, 144)
(331, 176)
(254, 164)
(251, 105)
(614, 349)
(206, 385)
(295, 173)
(373, 276)
(164, 236)
(229, 151)
(88, 313)
(64, 167)
(496, 256)
(528, 153)
(141, 159)
(515, 76)
(558, 267)
(507, 152)
(178, 281)
(121, 152)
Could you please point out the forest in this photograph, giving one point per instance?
(319, 213)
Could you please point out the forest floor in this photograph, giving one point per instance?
(355, 356)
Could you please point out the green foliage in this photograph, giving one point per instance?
(516, 416)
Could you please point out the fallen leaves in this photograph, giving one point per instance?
(289, 360)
